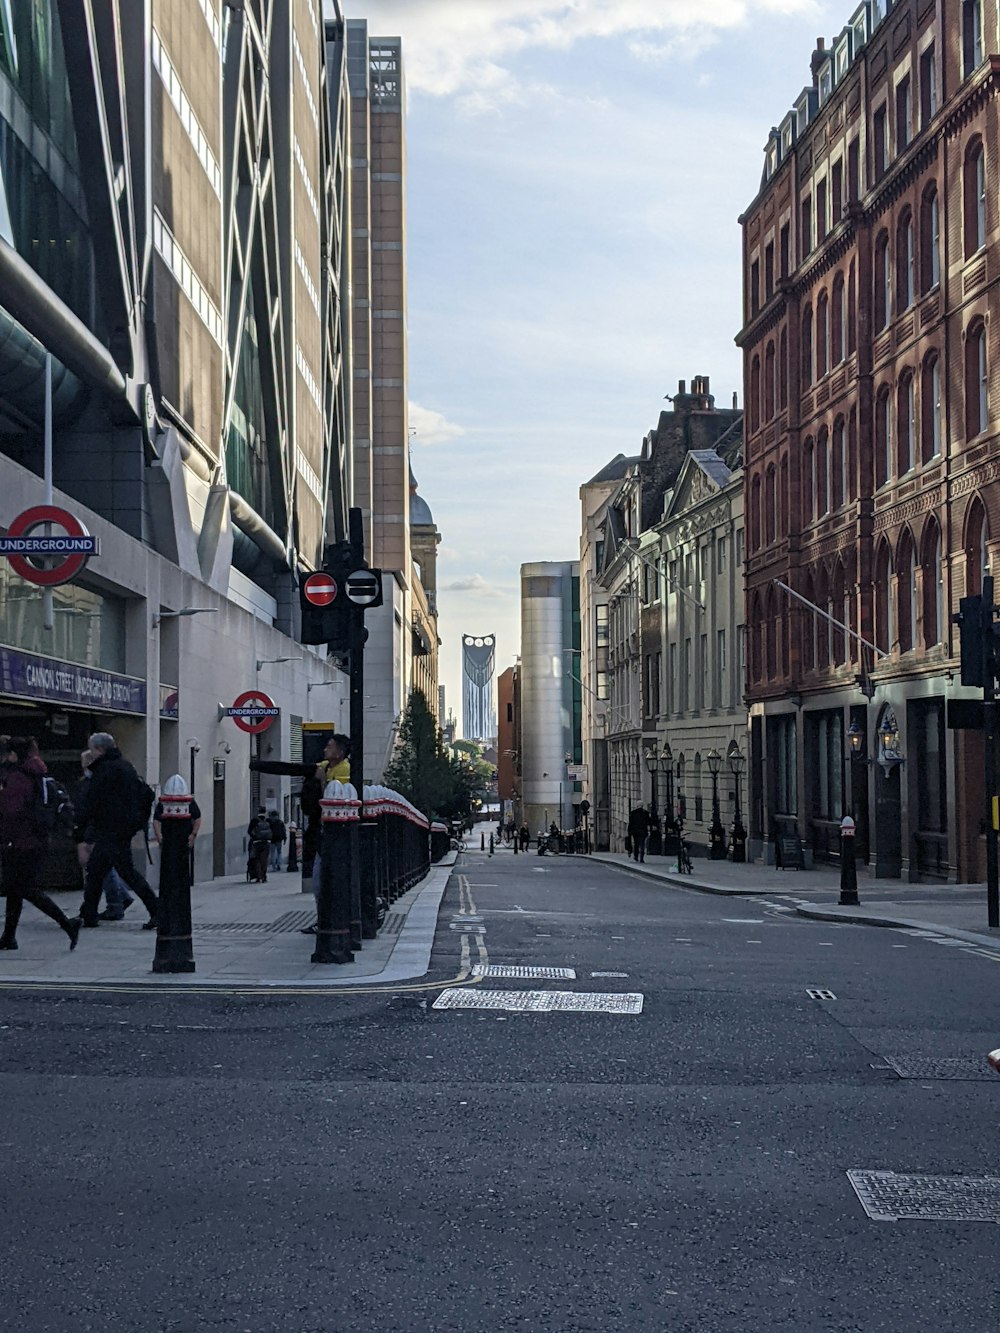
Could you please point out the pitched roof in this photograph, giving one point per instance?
(615, 470)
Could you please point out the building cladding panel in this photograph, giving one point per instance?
(546, 721)
(871, 425)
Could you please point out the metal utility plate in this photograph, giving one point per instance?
(513, 973)
(888, 1197)
(930, 1067)
(539, 1002)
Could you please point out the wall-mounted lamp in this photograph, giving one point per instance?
(184, 611)
(270, 661)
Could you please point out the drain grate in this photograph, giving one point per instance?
(282, 925)
(540, 1002)
(815, 994)
(915, 1066)
(524, 973)
(294, 920)
(888, 1197)
(393, 923)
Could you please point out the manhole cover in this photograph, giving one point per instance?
(915, 1066)
(888, 1197)
(524, 973)
(540, 1002)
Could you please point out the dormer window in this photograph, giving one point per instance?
(859, 33)
(825, 83)
(878, 12)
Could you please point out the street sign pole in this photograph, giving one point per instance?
(990, 741)
(357, 720)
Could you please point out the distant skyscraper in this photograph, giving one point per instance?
(478, 711)
(441, 709)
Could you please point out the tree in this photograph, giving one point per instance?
(420, 769)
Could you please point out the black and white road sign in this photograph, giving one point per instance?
(363, 587)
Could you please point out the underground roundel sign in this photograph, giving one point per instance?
(253, 711)
(50, 557)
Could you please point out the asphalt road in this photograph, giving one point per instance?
(368, 1162)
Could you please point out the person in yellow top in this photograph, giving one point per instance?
(336, 763)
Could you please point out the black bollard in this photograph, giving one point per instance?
(482, 842)
(174, 948)
(515, 841)
(333, 923)
(848, 869)
(367, 836)
(491, 844)
(293, 848)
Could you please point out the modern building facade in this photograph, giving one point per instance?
(871, 377)
(508, 743)
(175, 234)
(550, 693)
(479, 716)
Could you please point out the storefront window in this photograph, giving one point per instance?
(89, 626)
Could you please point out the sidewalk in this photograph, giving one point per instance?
(245, 936)
(956, 910)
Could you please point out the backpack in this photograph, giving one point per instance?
(53, 809)
(143, 799)
(260, 830)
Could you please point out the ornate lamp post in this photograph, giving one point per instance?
(716, 833)
(655, 844)
(737, 763)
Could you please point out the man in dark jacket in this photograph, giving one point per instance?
(110, 800)
(638, 832)
(278, 835)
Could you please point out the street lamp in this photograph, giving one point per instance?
(716, 834)
(270, 661)
(737, 763)
(655, 846)
(184, 611)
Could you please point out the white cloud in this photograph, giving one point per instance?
(457, 47)
(432, 427)
(474, 583)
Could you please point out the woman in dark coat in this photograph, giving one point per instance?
(22, 842)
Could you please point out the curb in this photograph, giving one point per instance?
(684, 881)
(897, 923)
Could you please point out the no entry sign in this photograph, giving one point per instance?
(320, 589)
(48, 559)
(253, 711)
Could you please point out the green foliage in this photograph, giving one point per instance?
(423, 772)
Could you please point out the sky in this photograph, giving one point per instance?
(575, 174)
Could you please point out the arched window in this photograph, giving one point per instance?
(809, 627)
(930, 408)
(838, 638)
(808, 481)
(755, 393)
(770, 504)
(905, 424)
(838, 466)
(974, 198)
(933, 583)
(976, 397)
(681, 791)
(976, 551)
(755, 630)
(883, 599)
(771, 635)
(783, 496)
(822, 625)
(698, 805)
(822, 335)
(930, 240)
(904, 263)
(883, 436)
(906, 585)
(883, 302)
(807, 346)
(783, 368)
(838, 319)
(822, 473)
(769, 382)
(972, 36)
(755, 514)
(852, 314)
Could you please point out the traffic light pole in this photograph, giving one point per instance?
(990, 741)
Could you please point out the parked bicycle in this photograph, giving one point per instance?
(684, 865)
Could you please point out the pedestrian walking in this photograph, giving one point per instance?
(525, 836)
(23, 840)
(638, 832)
(334, 767)
(116, 896)
(259, 847)
(116, 806)
(278, 835)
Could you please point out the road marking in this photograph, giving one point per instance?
(815, 993)
(609, 974)
(511, 971)
(541, 1002)
(744, 920)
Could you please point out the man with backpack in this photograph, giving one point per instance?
(259, 842)
(117, 805)
(28, 814)
(278, 835)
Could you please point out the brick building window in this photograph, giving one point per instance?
(838, 318)
(807, 346)
(905, 424)
(904, 263)
(755, 393)
(974, 198)
(822, 223)
(883, 436)
(972, 36)
(906, 589)
(933, 584)
(930, 408)
(808, 481)
(822, 473)
(837, 190)
(852, 314)
(784, 248)
(754, 287)
(851, 485)
(806, 225)
(883, 599)
(930, 240)
(976, 557)
(883, 303)
(769, 271)
(755, 514)
(838, 645)
(976, 381)
(880, 143)
(904, 113)
(822, 335)
(783, 368)
(770, 504)
(928, 88)
(838, 465)
(853, 171)
(769, 382)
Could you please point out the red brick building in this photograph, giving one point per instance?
(872, 377)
